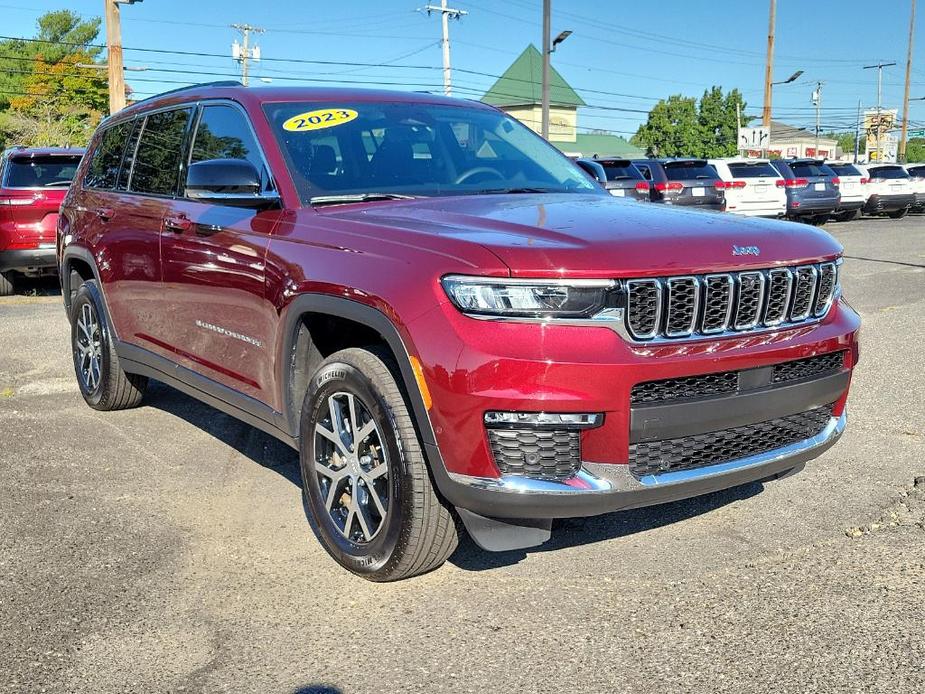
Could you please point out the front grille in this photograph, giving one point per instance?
(703, 305)
(536, 453)
(727, 382)
(807, 368)
(715, 447)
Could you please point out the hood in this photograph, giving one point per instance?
(597, 235)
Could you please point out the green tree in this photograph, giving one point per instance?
(845, 140)
(681, 126)
(45, 97)
(915, 150)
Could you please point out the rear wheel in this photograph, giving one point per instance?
(818, 220)
(847, 216)
(6, 283)
(367, 490)
(898, 214)
(103, 383)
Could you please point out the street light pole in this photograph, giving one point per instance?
(879, 67)
(547, 50)
(769, 68)
(817, 101)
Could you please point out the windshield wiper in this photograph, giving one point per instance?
(513, 191)
(356, 197)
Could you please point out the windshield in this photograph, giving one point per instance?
(41, 172)
(753, 170)
(688, 170)
(619, 170)
(416, 149)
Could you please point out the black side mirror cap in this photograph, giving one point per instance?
(233, 182)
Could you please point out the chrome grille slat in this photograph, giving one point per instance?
(729, 303)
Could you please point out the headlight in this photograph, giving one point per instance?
(528, 298)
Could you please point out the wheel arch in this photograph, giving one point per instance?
(80, 261)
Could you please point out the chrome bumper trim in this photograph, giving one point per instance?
(599, 478)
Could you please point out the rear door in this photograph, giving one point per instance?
(624, 179)
(31, 192)
(819, 180)
(216, 319)
(756, 183)
(891, 180)
(698, 180)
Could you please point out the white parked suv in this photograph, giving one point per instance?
(854, 189)
(890, 188)
(753, 187)
(917, 172)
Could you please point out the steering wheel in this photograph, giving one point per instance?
(466, 175)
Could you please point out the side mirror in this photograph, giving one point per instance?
(232, 182)
(593, 169)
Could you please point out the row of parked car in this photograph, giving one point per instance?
(808, 190)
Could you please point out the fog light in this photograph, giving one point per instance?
(544, 420)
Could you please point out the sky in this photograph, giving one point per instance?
(622, 56)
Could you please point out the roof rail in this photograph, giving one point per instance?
(221, 83)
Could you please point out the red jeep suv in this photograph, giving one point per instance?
(445, 316)
(32, 185)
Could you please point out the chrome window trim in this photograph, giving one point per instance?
(730, 284)
(831, 297)
(784, 310)
(659, 288)
(669, 284)
(796, 317)
(759, 309)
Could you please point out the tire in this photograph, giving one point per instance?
(847, 216)
(417, 532)
(103, 384)
(6, 284)
(898, 214)
(818, 220)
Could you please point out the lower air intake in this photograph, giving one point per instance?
(537, 453)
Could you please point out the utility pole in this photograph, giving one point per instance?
(446, 13)
(244, 53)
(879, 67)
(817, 102)
(857, 134)
(114, 56)
(769, 67)
(905, 127)
(547, 51)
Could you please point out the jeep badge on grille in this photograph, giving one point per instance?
(746, 250)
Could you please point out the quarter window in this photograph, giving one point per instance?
(158, 157)
(223, 133)
(104, 166)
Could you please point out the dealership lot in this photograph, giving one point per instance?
(165, 549)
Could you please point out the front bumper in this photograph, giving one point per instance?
(28, 259)
(598, 489)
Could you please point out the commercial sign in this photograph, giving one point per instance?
(754, 138)
(880, 146)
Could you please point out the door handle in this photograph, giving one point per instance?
(208, 229)
(178, 224)
(105, 213)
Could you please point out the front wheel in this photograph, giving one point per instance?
(898, 214)
(6, 284)
(367, 490)
(103, 383)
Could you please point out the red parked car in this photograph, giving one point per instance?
(444, 315)
(33, 182)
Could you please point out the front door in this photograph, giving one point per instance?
(217, 319)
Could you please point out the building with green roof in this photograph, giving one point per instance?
(518, 92)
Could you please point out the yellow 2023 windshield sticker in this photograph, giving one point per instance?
(317, 120)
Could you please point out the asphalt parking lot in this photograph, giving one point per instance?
(165, 549)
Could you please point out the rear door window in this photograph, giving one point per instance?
(224, 133)
(107, 157)
(41, 172)
(689, 170)
(159, 154)
(620, 170)
(750, 170)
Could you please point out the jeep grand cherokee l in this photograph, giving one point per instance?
(32, 185)
(449, 320)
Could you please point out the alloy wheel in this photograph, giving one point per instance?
(89, 348)
(352, 468)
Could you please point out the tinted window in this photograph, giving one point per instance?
(415, 148)
(688, 170)
(157, 159)
(752, 170)
(620, 170)
(916, 170)
(224, 133)
(129, 159)
(888, 172)
(844, 169)
(104, 166)
(644, 170)
(807, 169)
(41, 172)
